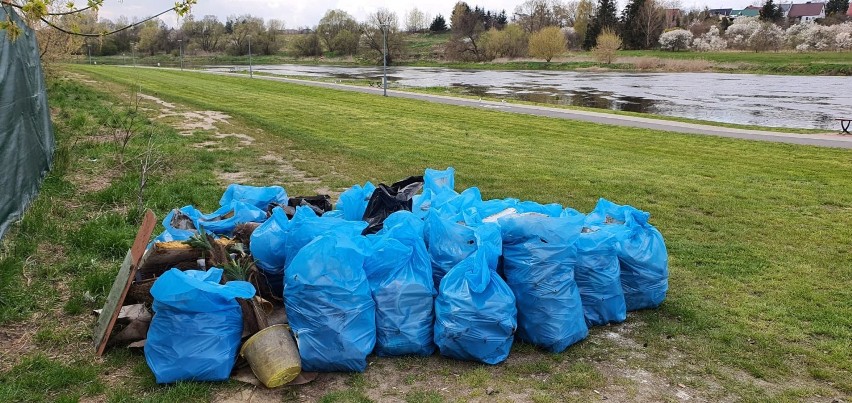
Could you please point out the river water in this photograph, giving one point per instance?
(809, 102)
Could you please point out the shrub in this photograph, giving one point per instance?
(675, 40)
(647, 63)
(509, 42)
(547, 43)
(608, 43)
(686, 65)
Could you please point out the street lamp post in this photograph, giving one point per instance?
(251, 73)
(180, 45)
(89, 48)
(385, 58)
(133, 52)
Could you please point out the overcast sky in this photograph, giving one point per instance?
(306, 13)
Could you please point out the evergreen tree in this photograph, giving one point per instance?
(501, 20)
(771, 12)
(439, 24)
(634, 37)
(836, 7)
(604, 18)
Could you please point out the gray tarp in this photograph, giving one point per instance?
(26, 136)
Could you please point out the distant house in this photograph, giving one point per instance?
(720, 12)
(785, 9)
(746, 12)
(808, 12)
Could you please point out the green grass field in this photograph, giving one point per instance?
(758, 235)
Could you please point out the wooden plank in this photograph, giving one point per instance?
(112, 306)
(118, 292)
(142, 237)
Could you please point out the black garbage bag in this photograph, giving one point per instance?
(320, 204)
(387, 200)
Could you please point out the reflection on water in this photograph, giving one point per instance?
(585, 97)
(764, 100)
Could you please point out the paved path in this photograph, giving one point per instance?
(821, 140)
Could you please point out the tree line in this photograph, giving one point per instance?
(539, 28)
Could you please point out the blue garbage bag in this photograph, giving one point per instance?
(267, 248)
(267, 242)
(422, 203)
(437, 181)
(599, 278)
(179, 225)
(641, 250)
(496, 206)
(306, 226)
(550, 210)
(225, 219)
(475, 314)
(353, 201)
(400, 277)
(329, 304)
(569, 212)
(455, 206)
(449, 243)
(259, 197)
(196, 330)
(539, 255)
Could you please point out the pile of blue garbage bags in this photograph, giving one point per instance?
(408, 269)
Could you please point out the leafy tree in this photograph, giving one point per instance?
(332, 25)
(651, 22)
(510, 42)
(467, 27)
(438, 24)
(534, 15)
(547, 43)
(378, 23)
(206, 33)
(307, 45)
(771, 12)
(242, 27)
(833, 7)
(604, 18)
(150, 37)
(416, 20)
(582, 18)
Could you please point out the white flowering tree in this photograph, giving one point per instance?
(810, 37)
(711, 41)
(768, 36)
(740, 31)
(675, 40)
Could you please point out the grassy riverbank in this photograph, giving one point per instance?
(462, 92)
(783, 63)
(757, 232)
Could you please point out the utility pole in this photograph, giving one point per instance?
(89, 48)
(385, 54)
(180, 45)
(133, 52)
(251, 73)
